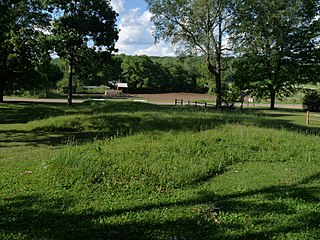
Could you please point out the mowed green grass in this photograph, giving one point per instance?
(125, 170)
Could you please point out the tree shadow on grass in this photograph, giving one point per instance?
(234, 216)
(23, 113)
(102, 127)
(50, 219)
(277, 213)
(14, 138)
(96, 124)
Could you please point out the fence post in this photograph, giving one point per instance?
(181, 102)
(308, 118)
(205, 104)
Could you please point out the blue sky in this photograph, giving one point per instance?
(135, 36)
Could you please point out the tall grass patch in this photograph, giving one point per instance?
(109, 121)
(162, 161)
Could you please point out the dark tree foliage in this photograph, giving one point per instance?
(54, 74)
(82, 30)
(311, 101)
(163, 74)
(277, 42)
(110, 72)
(23, 46)
(140, 72)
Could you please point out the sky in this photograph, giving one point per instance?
(135, 37)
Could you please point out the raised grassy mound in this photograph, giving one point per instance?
(130, 170)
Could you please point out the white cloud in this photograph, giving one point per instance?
(126, 48)
(118, 5)
(136, 28)
(161, 49)
(136, 37)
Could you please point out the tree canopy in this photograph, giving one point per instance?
(199, 26)
(83, 30)
(23, 46)
(277, 44)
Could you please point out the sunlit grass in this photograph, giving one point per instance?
(136, 171)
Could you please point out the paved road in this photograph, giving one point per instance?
(41, 100)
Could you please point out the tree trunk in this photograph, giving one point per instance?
(215, 71)
(1, 95)
(70, 85)
(272, 99)
(217, 77)
(218, 62)
(1, 89)
(276, 80)
(218, 80)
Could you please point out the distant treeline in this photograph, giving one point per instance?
(142, 73)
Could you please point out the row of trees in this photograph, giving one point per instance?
(276, 42)
(77, 31)
(142, 73)
(266, 46)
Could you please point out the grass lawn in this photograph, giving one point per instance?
(128, 170)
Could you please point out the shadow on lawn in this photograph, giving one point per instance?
(25, 112)
(35, 217)
(118, 126)
(94, 126)
(14, 138)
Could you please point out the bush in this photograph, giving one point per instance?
(230, 93)
(311, 101)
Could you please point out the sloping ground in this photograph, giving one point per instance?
(157, 172)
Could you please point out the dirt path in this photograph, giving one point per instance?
(163, 99)
(169, 98)
(166, 98)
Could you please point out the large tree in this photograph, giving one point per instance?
(82, 29)
(22, 44)
(200, 26)
(277, 42)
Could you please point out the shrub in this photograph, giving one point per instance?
(230, 93)
(311, 101)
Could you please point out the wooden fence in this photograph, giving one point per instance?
(181, 102)
(178, 102)
(313, 117)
